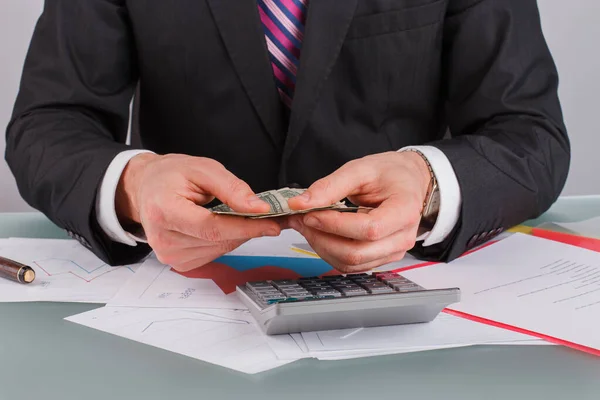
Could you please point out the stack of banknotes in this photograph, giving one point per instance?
(278, 200)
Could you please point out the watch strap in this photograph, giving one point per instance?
(432, 182)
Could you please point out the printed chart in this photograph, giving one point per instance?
(65, 271)
(222, 337)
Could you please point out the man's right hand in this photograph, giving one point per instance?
(165, 193)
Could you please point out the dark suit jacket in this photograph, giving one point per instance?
(375, 75)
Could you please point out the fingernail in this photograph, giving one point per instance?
(312, 222)
(270, 232)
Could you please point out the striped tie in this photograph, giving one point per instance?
(283, 23)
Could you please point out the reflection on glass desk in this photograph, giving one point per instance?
(43, 356)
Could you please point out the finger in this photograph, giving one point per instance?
(352, 253)
(165, 240)
(186, 259)
(186, 217)
(204, 258)
(227, 187)
(285, 222)
(393, 215)
(352, 269)
(344, 182)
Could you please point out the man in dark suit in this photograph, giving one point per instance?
(350, 98)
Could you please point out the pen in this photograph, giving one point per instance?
(16, 271)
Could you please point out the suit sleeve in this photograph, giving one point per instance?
(509, 146)
(71, 116)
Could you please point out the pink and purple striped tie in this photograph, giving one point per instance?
(283, 22)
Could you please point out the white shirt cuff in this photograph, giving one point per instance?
(105, 201)
(450, 196)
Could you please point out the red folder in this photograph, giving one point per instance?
(574, 240)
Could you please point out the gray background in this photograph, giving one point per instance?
(571, 28)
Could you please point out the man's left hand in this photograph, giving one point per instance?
(394, 183)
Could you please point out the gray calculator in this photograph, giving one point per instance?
(342, 301)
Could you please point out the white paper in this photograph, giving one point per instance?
(284, 245)
(444, 331)
(288, 346)
(156, 285)
(222, 337)
(65, 272)
(351, 354)
(528, 282)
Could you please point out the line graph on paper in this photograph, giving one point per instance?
(157, 285)
(88, 273)
(65, 271)
(222, 337)
(194, 318)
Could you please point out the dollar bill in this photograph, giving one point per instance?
(278, 201)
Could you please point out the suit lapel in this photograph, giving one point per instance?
(241, 31)
(326, 26)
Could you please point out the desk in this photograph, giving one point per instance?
(44, 357)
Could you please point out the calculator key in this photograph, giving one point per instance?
(340, 287)
(294, 290)
(407, 288)
(276, 293)
(365, 279)
(320, 288)
(380, 289)
(285, 283)
(375, 285)
(256, 285)
(353, 291)
(315, 285)
(340, 281)
(296, 293)
(287, 290)
(403, 283)
(296, 287)
(290, 287)
(353, 276)
(327, 295)
(386, 276)
(264, 290)
(365, 285)
(324, 291)
(307, 296)
(272, 297)
(311, 283)
(396, 280)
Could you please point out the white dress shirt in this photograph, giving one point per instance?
(450, 198)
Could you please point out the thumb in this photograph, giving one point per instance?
(232, 191)
(328, 190)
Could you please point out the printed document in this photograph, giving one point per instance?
(157, 285)
(222, 337)
(543, 286)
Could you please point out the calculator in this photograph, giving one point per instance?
(342, 301)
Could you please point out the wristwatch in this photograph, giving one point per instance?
(431, 203)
